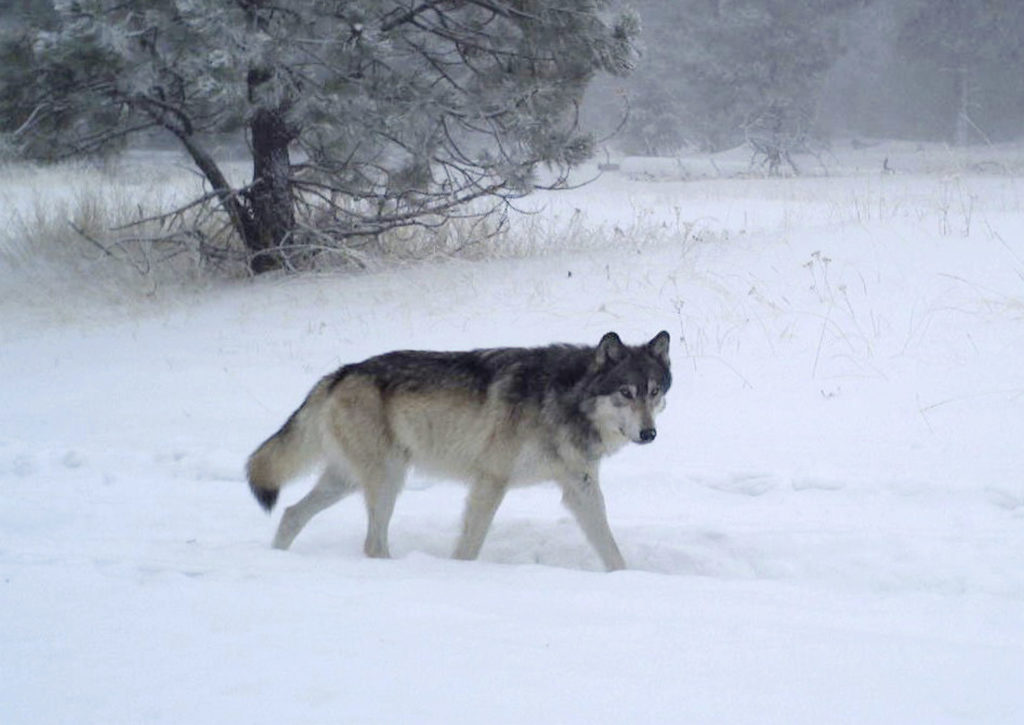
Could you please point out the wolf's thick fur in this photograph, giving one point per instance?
(492, 418)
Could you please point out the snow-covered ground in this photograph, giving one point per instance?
(829, 528)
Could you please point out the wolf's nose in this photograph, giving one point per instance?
(647, 435)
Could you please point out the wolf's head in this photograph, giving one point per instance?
(627, 387)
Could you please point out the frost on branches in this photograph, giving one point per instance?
(361, 117)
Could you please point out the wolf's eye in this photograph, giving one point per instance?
(654, 391)
(626, 393)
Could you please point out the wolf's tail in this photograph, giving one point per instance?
(291, 451)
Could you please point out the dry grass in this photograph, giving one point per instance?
(73, 231)
(72, 226)
(92, 228)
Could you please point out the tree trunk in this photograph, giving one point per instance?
(270, 198)
(963, 117)
(240, 217)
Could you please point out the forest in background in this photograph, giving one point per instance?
(715, 73)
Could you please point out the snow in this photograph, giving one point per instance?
(829, 528)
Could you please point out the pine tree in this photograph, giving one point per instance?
(724, 70)
(361, 115)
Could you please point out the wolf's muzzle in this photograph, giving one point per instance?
(647, 435)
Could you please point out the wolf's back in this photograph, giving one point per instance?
(291, 451)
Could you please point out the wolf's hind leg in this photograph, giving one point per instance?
(584, 498)
(329, 489)
(484, 498)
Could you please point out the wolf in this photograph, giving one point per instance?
(493, 418)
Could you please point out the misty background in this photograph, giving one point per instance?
(716, 72)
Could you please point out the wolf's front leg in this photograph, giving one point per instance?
(582, 495)
(485, 496)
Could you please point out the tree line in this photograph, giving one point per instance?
(718, 72)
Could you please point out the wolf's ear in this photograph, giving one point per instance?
(610, 349)
(659, 346)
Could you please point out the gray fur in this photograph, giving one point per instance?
(493, 418)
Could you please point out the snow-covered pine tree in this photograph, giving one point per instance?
(361, 115)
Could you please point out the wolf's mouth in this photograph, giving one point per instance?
(628, 437)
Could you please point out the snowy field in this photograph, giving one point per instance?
(829, 528)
